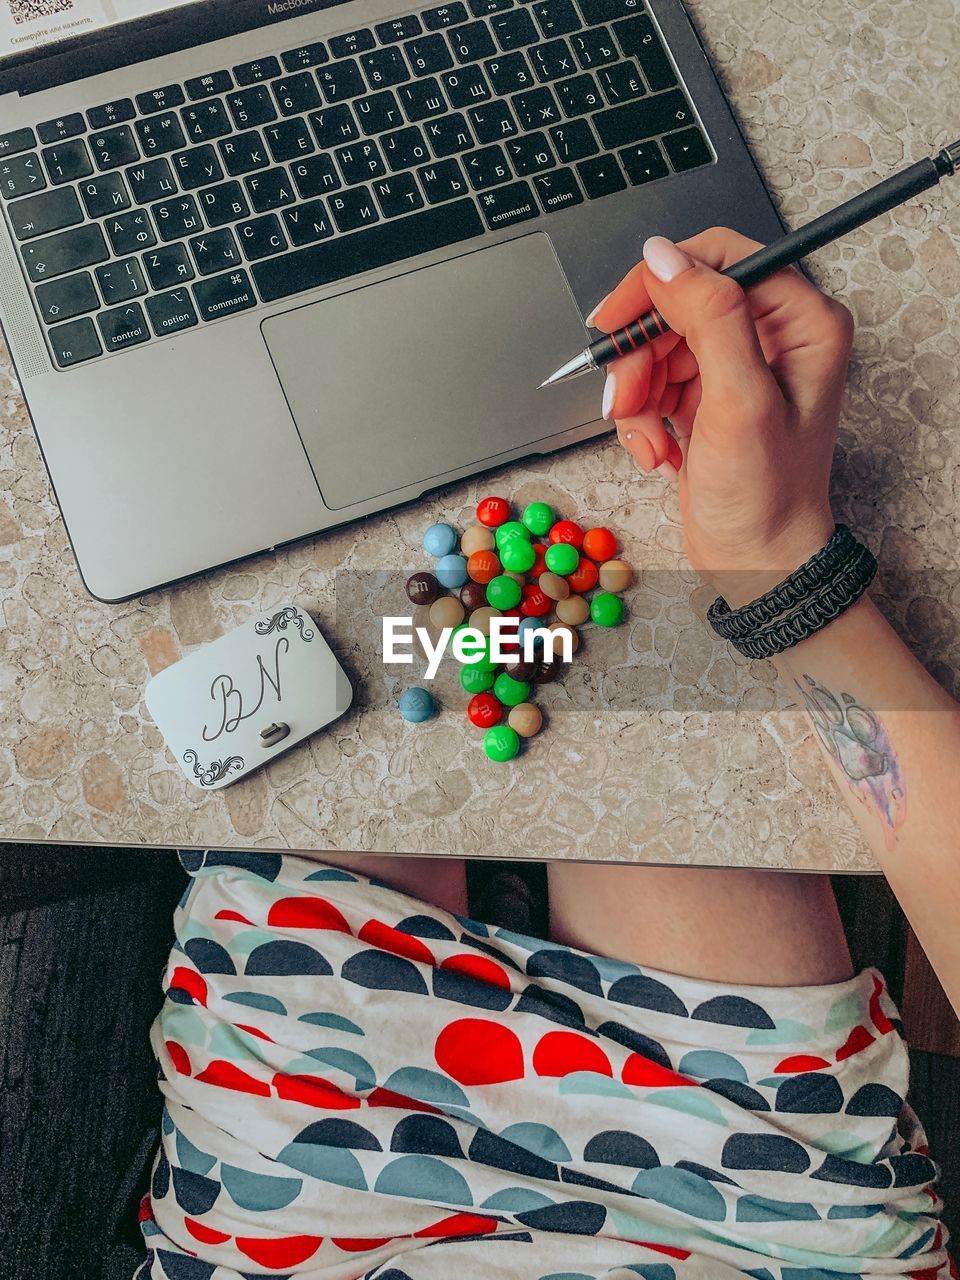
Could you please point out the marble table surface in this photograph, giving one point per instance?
(660, 745)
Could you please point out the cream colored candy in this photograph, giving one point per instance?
(572, 632)
(517, 577)
(481, 618)
(525, 719)
(573, 611)
(446, 612)
(615, 575)
(477, 538)
(552, 585)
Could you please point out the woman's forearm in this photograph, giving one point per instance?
(892, 738)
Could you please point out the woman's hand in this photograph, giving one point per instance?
(752, 385)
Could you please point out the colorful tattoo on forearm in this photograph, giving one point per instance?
(858, 744)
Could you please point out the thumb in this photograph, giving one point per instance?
(710, 311)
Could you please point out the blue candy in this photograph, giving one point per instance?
(439, 540)
(530, 624)
(417, 704)
(451, 572)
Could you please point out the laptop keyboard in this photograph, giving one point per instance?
(193, 202)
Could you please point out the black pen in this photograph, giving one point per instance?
(774, 257)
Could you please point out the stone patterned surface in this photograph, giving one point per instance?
(660, 746)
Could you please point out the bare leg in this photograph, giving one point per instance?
(759, 928)
(440, 881)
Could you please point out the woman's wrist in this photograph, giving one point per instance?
(751, 575)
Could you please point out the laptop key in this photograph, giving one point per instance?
(62, 128)
(593, 48)
(597, 11)
(638, 38)
(334, 125)
(244, 153)
(197, 167)
(351, 43)
(308, 223)
(687, 150)
(552, 60)
(130, 232)
(487, 167)
(466, 86)
(398, 195)
(481, 8)
(289, 139)
(206, 121)
(506, 206)
(443, 181)
(536, 108)
(20, 175)
(315, 176)
(341, 80)
(224, 295)
(492, 121)
(556, 17)
(574, 141)
(252, 106)
(353, 208)
(170, 95)
(68, 161)
(15, 141)
(579, 95)
(471, 42)
(367, 250)
(104, 194)
(68, 297)
(215, 251)
(111, 113)
(123, 327)
(445, 15)
(637, 121)
(151, 181)
(296, 94)
(557, 189)
(448, 135)
(514, 30)
(171, 312)
(308, 55)
(223, 203)
(261, 237)
(259, 69)
(82, 246)
(422, 99)
(643, 162)
(75, 342)
(621, 82)
(428, 55)
(48, 211)
(405, 148)
(114, 147)
(209, 86)
(270, 190)
(121, 281)
(385, 67)
(168, 265)
(159, 134)
(379, 111)
(600, 176)
(398, 29)
(510, 74)
(177, 218)
(530, 154)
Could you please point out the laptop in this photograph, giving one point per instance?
(270, 266)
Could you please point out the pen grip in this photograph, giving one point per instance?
(637, 334)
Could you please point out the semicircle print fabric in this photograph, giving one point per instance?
(360, 1085)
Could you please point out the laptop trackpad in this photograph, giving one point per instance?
(399, 383)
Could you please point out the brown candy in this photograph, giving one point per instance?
(477, 538)
(473, 595)
(552, 585)
(546, 672)
(615, 575)
(446, 612)
(573, 611)
(571, 632)
(525, 719)
(521, 670)
(422, 588)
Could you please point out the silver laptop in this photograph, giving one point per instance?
(268, 266)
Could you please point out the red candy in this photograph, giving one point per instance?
(567, 531)
(600, 544)
(536, 603)
(540, 564)
(484, 710)
(584, 577)
(493, 512)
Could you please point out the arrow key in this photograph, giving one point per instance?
(643, 162)
(688, 150)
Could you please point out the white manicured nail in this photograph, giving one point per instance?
(593, 314)
(609, 391)
(669, 471)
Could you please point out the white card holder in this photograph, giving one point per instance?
(238, 703)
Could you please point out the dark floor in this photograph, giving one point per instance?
(78, 1106)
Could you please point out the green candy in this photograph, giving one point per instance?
(503, 592)
(517, 555)
(538, 518)
(561, 558)
(512, 529)
(501, 742)
(511, 692)
(606, 610)
(477, 680)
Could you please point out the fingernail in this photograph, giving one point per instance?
(609, 391)
(669, 471)
(593, 314)
(664, 259)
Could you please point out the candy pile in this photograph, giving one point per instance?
(530, 569)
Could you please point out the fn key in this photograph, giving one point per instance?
(74, 342)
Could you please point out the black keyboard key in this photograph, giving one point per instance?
(171, 312)
(121, 281)
(574, 140)
(159, 134)
(638, 38)
(442, 181)
(405, 148)
(360, 161)
(593, 48)
(20, 175)
(596, 11)
(510, 74)
(151, 181)
(308, 223)
(688, 150)
(244, 153)
(130, 232)
(353, 42)
(206, 121)
(600, 176)
(506, 206)
(176, 218)
(398, 195)
(514, 30)
(556, 17)
(253, 106)
(471, 42)
(289, 140)
(315, 176)
(262, 237)
(48, 211)
(123, 327)
(398, 29)
(270, 190)
(170, 95)
(466, 85)
(536, 109)
(643, 162)
(75, 342)
(557, 189)
(334, 125)
(82, 246)
(15, 141)
(445, 15)
(104, 194)
(486, 168)
(492, 121)
(579, 95)
(209, 86)
(62, 128)
(367, 250)
(422, 100)
(341, 80)
(620, 83)
(259, 69)
(530, 154)
(111, 113)
(448, 135)
(308, 55)
(552, 60)
(224, 295)
(197, 167)
(224, 203)
(385, 67)
(637, 121)
(428, 55)
(216, 251)
(68, 297)
(483, 8)
(296, 94)
(379, 111)
(114, 147)
(167, 266)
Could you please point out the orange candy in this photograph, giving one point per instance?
(584, 577)
(599, 544)
(483, 566)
